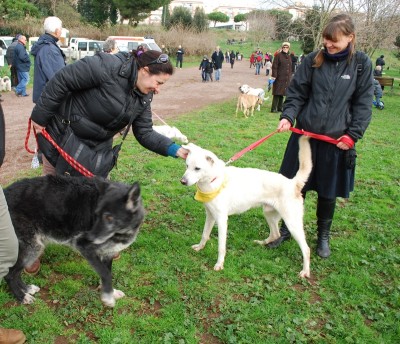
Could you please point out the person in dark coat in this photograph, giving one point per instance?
(179, 57)
(281, 75)
(49, 58)
(331, 96)
(218, 59)
(98, 96)
(380, 61)
(203, 67)
(22, 63)
(10, 58)
(232, 58)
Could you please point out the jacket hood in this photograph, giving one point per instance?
(43, 39)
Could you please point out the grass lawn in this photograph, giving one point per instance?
(173, 294)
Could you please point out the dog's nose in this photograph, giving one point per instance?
(184, 181)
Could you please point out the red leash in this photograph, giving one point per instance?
(345, 139)
(68, 158)
(251, 147)
(27, 137)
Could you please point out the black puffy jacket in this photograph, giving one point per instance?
(332, 100)
(97, 95)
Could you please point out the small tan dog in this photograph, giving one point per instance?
(247, 103)
(227, 190)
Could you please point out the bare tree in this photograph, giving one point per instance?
(377, 21)
(261, 26)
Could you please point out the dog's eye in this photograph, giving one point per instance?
(107, 217)
(197, 169)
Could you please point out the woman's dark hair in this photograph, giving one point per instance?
(148, 57)
(341, 24)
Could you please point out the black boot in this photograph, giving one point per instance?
(285, 235)
(324, 228)
(325, 211)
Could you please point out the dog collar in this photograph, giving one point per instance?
(205, 197)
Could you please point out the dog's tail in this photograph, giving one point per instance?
(305, 162)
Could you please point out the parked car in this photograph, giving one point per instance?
(86, 47)
(126, 43)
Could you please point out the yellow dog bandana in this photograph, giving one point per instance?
(205, 197)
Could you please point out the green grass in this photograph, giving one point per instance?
(173, 294)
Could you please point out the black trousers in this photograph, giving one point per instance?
(277, 103)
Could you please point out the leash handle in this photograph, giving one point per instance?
(28, 134)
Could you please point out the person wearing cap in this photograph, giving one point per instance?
(380, 61)
(203, 68)
(280, 77)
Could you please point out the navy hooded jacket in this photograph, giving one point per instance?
(49, 59)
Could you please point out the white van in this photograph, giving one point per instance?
(126, 43)
(86, 47)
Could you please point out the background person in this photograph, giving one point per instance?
(22, 63)
(179, 57)
(281, 74)
(10, 59)
(110, 46)
(380, 61)
(97, 97)
(218, 59)
(319, 100)
(49, 58)
(8, 242)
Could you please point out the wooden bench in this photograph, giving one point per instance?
(385, 81)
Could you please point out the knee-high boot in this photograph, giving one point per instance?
(274, 106)
(285, 235)
(325, 211)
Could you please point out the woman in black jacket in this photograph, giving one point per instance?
(97, 97)
(330, 94)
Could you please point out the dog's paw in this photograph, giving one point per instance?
(218, 267)
(28, 299)
(32, 289)
(118, 294)
(108, 299)
(260, 242)
(197, 247)
(304, 274)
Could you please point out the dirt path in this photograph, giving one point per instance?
(183, 93)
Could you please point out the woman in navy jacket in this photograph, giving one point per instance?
(330, 94)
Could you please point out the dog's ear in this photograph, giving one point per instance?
(190, 146)
(133, 196)
(210, 160)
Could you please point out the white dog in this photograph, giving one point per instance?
(171, 132)
(5, 84)
(259, 92)
(230, 190)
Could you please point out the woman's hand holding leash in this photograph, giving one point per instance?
(284, 125)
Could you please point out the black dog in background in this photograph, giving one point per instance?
(96, 217)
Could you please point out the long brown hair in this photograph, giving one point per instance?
(341, 24)
(156, 68)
